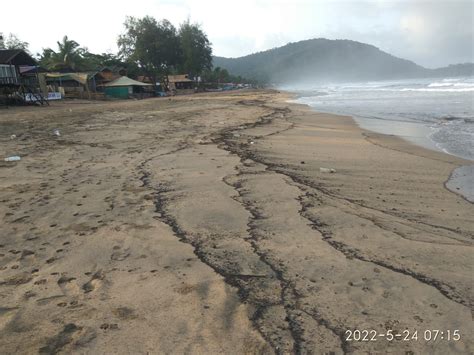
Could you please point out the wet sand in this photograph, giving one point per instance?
(202, 224)
(462, 182)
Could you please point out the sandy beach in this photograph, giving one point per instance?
(203, 224)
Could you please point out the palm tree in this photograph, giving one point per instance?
(69, 55)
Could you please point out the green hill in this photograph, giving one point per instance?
(323, 60)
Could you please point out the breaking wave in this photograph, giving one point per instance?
(431, 89)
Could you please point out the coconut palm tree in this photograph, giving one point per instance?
(69, 55)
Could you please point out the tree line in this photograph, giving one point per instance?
(147, 47)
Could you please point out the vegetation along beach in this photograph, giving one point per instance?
(312, 197)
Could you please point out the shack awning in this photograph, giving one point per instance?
(125, 81)
(79, 77)
(181, 78)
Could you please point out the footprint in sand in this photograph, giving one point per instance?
(111, 326)
(120, 255)
(95, 282)
(68, 285)
(71, 333)
(51, 260)
(124, 313)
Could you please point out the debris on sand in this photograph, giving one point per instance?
(327, 170)
(13, 158)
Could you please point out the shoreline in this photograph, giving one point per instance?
(460, 181)
(215, 209)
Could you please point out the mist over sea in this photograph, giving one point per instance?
(437, 113)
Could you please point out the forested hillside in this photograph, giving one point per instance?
(321, 60)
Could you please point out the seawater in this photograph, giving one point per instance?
(437, 113)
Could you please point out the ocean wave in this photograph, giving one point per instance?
(451, 79)
(436, 109)
(468, 89)
(450, 118)
(470, 84)
(451, 84)
(439, 85)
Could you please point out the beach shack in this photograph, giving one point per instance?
(124, 88)
(10, 62)
(106, 75)
(19, 77)
(82, 85)
(69, 85)
(180, 82)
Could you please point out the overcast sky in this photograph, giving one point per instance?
(432, 33)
